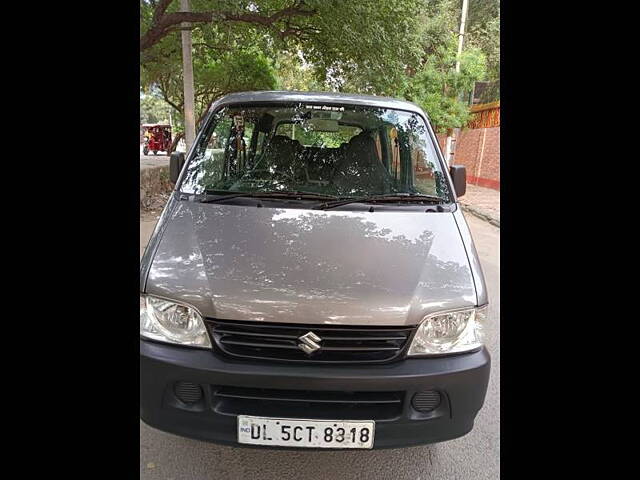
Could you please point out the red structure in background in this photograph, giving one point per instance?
(486, 115)
(157, 138)
(477, 147)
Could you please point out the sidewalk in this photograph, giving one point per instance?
(482, 202)
(154, 183)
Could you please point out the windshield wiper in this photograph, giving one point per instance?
(274, 194)
(392, 197)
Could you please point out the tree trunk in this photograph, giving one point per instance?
(164, 23)
(174, 144)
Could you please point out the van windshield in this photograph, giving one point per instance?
(338, 151)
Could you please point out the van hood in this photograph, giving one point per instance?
(311, 266)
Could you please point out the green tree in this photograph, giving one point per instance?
(484, 33)
(361, 46)
(432, 82)
(438, 90)
(246, 69)
(160, 18)
(295, 74)
(425, 71)
(153, 109)
(312, 41)
(382, 47)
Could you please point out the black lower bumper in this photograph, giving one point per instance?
(461, 380)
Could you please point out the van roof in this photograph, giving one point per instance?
(316, 97)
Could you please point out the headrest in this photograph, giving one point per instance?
(283, 142)
(363, 147)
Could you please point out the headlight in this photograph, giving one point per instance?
(450, 332)
(171, 322)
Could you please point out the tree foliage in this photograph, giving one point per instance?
(160, 18)
(484, 32)
(246, 69)
(433, 82)
(363, 45)
(153, 109)
(296, 74)
(402, 49)
(438, 90)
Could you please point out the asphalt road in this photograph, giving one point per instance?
(475, 456)
(151, 160)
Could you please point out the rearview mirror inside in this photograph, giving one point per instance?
(323, 125)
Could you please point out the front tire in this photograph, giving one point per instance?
(145, 150)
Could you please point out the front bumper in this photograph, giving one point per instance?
(461, 380)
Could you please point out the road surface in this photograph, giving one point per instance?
(475, 456)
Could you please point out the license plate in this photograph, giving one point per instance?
(288, 432)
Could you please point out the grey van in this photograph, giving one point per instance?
(312, 282)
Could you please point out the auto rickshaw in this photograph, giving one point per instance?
(157, 138)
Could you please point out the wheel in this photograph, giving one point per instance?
(155, 152)
(145, 150)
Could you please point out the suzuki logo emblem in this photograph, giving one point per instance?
(309, 343)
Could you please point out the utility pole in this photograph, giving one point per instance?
(463, 23)
(187, 75)
(449, 146)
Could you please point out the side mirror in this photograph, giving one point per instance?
(176, 162)
(459, 176)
